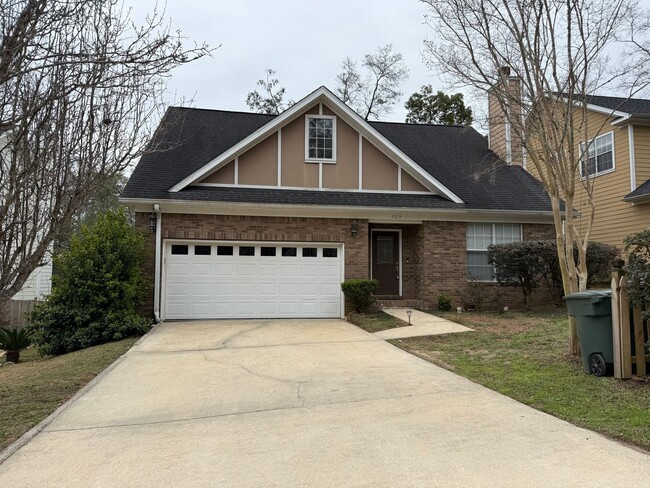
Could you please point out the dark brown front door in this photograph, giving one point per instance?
(385, 262)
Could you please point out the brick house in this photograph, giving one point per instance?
(251, 216)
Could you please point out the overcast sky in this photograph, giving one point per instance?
(304, 41)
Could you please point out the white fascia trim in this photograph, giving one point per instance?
(600, 109)
(350, 116)
(293, 188)
(394, 215)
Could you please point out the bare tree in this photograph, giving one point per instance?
(557, 54)
(373, 94)
(81, 88)
(271, 100)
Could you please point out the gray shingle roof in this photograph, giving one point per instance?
(641, 191)
(634, 106)
(457, 156)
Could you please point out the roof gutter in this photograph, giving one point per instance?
(157, 268)
(394, 214)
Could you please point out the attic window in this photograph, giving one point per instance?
(320, 138)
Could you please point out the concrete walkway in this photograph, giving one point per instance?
(299, 403)
(423, 324)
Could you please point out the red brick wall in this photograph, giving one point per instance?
(433, 254)
(441, 258)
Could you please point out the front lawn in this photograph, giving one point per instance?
(523, 355)
(375, 321)
(35, 387)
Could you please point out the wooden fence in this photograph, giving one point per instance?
(631, 333)
(14, 312)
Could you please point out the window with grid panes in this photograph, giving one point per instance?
(320, 138)
(479, 237)
(597, 155)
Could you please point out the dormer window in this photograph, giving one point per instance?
(320, 139)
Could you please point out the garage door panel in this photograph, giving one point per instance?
(246, 289)
(201, 289)
(224, 290)
(225, 269)
(246, 269)
(268, 289)
(330, 290)
(309, 289)
(289, 270)
(222, 286)
(288, 290)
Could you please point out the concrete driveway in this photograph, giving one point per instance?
(304, 403)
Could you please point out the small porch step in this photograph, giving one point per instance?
(390, 302)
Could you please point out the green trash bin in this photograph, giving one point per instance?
(593, 312)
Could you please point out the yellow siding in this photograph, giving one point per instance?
(642, 153)
(614, 218)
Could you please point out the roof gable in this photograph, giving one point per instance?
(320, 95)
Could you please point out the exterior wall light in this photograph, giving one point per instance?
(354, 228)
(152, 222)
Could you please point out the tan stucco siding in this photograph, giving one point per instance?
(259, 165)
(223, 176)
(379, 171)
(411, 184)
(295, 172)
(345, 173)
(642, 153)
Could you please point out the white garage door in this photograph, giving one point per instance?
(206, 280)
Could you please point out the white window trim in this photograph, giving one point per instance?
(601, 173)
(494, 228)
(320, 160)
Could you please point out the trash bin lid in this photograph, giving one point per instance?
(595, 295)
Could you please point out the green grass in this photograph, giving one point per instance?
(36, 386)
(375, 321)
(525, 357)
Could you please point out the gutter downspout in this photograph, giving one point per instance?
(156, 292)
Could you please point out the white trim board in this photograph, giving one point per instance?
(321, 95)
(386, 214)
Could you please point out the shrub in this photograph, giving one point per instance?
(360, 292)
(97, 286)
(444, 303)
(519, 264)
(600, 259)
(637, 248)
(474, 295)
(13, 341)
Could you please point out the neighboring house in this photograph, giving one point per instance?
(252, 215)
(38, 285)
(618, 160)
(39, 282)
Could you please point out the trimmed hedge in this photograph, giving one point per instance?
(359, 293)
